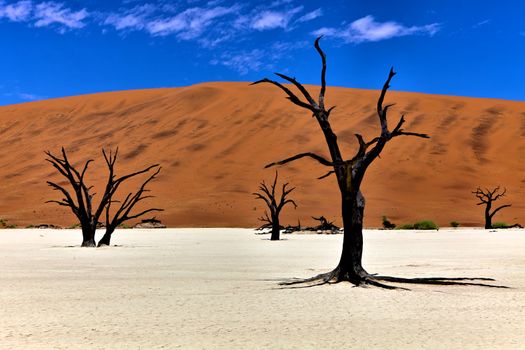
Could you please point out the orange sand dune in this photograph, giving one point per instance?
(214, 139)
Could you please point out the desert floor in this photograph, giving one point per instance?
(217, 288)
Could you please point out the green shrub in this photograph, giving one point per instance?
(426, 225)
(420, 225)
(405, 227)
(500, 225)
(454, 224)
(77, 225)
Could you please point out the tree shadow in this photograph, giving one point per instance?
(374, 280)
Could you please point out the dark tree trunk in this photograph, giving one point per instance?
(350, 265)
(488, 218)
(88, 236)
(275, 229)
(106, 239)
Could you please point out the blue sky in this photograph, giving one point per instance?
(61, 48)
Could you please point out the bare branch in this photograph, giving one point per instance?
(499, 208)
(326, 175)
(318, 158)
(291, 96)
(301, 88)
(323, 74)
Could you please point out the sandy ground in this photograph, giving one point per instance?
(217, 288)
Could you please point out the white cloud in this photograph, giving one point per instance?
(256, 60)
(44, 14)
(16, 12)
(48, 13)
(482, 23)
(243, 62)
(367, 29)
(23, 96)
(274, 19)
(310, 16)
(190, 23)
(29, 97)
(134, 19)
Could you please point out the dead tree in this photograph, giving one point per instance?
(123, 212)
(349, 174)
(80, 199)
(275, 206)
(324, 224)
(486, 198)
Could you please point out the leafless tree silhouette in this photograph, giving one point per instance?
(486, 197)
(80, 199)
(349, 174)
(275, 205)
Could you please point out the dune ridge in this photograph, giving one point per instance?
(213, 140)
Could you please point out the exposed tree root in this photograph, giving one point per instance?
(366, 279)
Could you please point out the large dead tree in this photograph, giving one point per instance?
(80, 198)
(487, 197)
(349, 174)
(275, 205)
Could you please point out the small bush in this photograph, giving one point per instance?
(4, 224)
(387, 224)
(405, 227)
(454, 224)
(426, 225)
(77, 225)
(500, 225)
(420, 225)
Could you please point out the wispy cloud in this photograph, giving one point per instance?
(29, 97)
(190, 23)
(367, 29)
(133, 19)
(17, 12)
(256, 60)
(243, 62)
(274, 19)
(44, 14)
(24, 96)
(310, 16)
(49, 13)
(481, 23)
(208, 24)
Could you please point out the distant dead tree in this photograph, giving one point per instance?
(486, 197)
(349, 174)
(80, 199)
(324, 224)
(274, 204)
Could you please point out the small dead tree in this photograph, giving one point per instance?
(80, 199)
(349, 174)
(268, 195)
(123, 212)
(486, 198)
